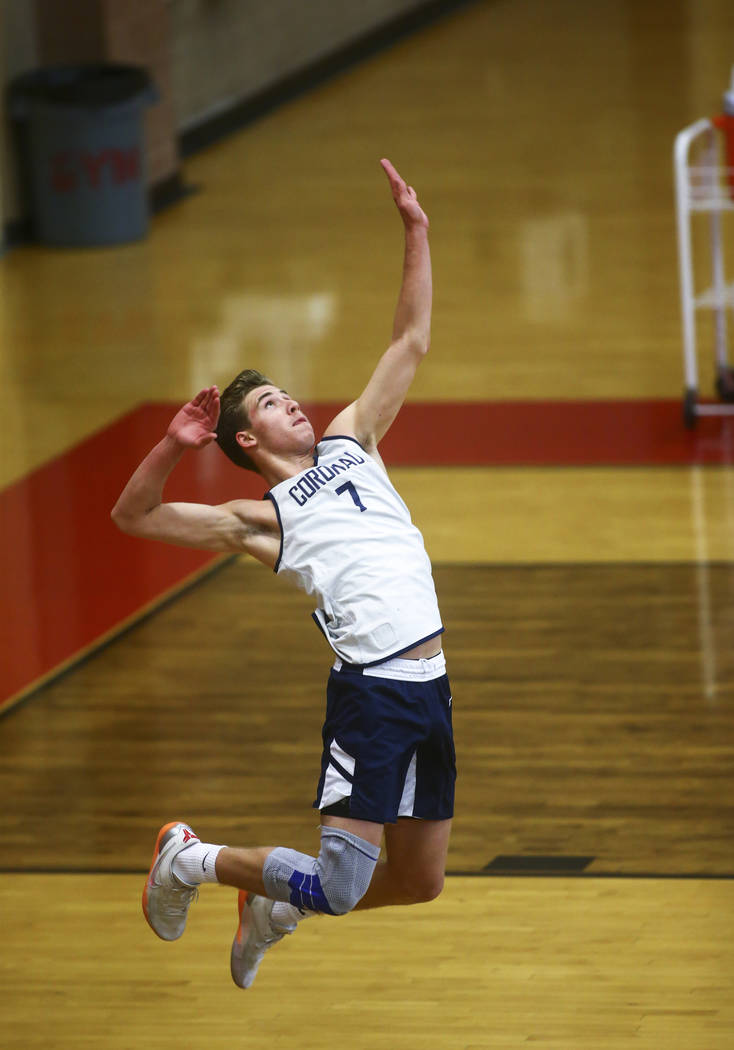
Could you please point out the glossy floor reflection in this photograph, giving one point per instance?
(592, 711)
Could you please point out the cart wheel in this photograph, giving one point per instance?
(725, 384)
(689, 408)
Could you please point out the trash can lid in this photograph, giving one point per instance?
(85, 86)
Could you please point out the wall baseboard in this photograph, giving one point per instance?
(291, 86)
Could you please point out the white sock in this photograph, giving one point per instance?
(196, 864)
(285, 916)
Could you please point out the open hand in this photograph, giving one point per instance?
(405, 197)
(194, 426)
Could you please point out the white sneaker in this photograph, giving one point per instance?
(255, 934)
(166, 899)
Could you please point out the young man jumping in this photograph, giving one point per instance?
(333, 524)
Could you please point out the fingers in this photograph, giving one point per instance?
(397, 183)
(402, 193)
(206, 406)
(211, 404)
(404, 196)
(205, 396)
(389, 169)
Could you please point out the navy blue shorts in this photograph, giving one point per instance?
(388, 743)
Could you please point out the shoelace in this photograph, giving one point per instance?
(270, 938)
(178, 901)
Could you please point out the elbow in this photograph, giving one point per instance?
(118, 518)
(423, 346)
(418, 342)
(422, 338)
(123, 521)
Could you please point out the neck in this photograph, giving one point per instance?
(275, 468)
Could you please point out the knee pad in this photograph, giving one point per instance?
(331, 883)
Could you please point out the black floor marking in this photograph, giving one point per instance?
(475, 873)
(529, 864)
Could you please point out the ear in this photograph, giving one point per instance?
(245, 439)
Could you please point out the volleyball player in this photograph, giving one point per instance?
(332, 524)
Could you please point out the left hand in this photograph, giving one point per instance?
(194, 425)
(405, 197)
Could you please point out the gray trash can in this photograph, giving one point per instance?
(81, 151)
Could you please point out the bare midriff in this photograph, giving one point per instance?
(424, 651)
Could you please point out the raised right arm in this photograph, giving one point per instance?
(240, 526)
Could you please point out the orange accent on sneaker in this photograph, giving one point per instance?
(242, 899)
(156, 848)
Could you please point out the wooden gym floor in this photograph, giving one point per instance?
(586, 577)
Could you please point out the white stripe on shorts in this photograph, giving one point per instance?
(336, 785)
(407, 802)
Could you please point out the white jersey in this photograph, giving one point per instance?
(347, 538)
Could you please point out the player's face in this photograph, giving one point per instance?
(276, 420)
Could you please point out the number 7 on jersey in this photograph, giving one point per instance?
(348, 486)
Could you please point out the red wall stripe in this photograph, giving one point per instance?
(70, 578)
